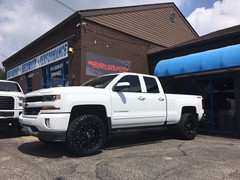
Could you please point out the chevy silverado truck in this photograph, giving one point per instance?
(85, 116)
(11, 103)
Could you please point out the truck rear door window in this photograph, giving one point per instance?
(151, 85)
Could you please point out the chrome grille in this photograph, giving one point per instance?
(34, 99)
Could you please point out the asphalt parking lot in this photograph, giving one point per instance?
(156, 155)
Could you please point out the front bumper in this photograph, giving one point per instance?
(8, 121)
(50, 127)
(11, 114)
(47, 136)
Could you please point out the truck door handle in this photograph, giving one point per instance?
(161, 99)
(141, 98)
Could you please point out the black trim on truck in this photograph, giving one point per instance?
(58, 136)
(6, 121)
(52, 136)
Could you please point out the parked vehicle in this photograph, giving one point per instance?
(84, 117)
(11, 103)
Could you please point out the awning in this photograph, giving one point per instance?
(222, 58)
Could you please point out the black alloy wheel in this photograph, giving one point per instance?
(86, 135)
(188, 126)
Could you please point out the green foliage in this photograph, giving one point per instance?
(2, 73)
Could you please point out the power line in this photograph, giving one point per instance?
(64, 5)
(117, 39)
(3, 55)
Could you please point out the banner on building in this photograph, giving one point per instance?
(97, 65)
(53, 55)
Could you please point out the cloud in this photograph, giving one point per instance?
(20, 25)
(223, 14)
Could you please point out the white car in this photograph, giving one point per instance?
(85, 116)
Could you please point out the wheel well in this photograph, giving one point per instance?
(96, 110)
(190, 109)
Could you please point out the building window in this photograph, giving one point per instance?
(219, 101)
(55, 75)
(29, 82)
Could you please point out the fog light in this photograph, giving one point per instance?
(47, 122)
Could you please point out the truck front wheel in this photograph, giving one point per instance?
(86, 135)
(187, 126)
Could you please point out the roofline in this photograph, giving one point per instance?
(186, 21)
(122, 9)
(195, 43)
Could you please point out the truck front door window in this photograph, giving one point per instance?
(100, 82)
(134, 83)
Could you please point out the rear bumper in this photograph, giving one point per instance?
(203, 117)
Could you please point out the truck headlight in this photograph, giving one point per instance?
(51, 97)
(20, 101)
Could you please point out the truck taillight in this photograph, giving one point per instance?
(199, 97)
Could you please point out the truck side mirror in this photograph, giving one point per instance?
(121, 86)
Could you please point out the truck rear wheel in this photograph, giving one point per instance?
(187, 126)
(86, 135)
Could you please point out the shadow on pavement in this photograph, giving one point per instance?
(39, 149)
(124, 140)
(117, 141)
(8, 132)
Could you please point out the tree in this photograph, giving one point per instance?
(2, 73)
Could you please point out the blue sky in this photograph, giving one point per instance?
(23, 21)
(190, 5)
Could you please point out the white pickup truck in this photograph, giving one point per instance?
(84, 117)
(11, 103)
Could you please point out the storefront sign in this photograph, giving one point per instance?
(53, 55)
(56, 71)
(98, 65)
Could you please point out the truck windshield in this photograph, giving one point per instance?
(9, 86)
(100, 82)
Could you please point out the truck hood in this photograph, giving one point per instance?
(11, 93)
(65, 90)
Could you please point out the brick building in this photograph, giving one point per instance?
(94, 42)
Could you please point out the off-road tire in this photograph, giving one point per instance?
(187, 126)
(86, 135)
